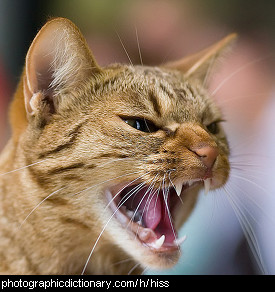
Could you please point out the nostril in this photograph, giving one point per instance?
(208, 155)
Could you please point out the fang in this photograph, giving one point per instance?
(180, 241)
(178, 188)
(159, 242)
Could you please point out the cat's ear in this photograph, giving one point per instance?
(198, 65)
(58, 59)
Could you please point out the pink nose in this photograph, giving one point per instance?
(207, 155)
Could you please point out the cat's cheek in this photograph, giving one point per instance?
(220, 173)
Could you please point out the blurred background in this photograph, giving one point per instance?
(163, 30)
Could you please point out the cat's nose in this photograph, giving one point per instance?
(208, 155)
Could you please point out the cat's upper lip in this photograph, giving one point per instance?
(148, 213)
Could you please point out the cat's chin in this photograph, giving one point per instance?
(148, 217)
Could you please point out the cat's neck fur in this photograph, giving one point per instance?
(30, 246)
(27, 245)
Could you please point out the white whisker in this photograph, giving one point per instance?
(98, 238)
(24, 167)
(250, 181)
(148, 189)
(124, 49)
(113, 160)
(124, 187)
(237, 71)
(50, 195)
(139, 51)
(222, 102)
(248, 231)
(152, 192)
(157, 194)
(144, 270)
(104, 182)
(122, 261)
(168, 212)
(95, 244)
(133, 268)
(131, 193)
(210, 67)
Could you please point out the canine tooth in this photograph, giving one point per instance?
(179, 241)
(178, 188)
(207, 183)
(159, 242)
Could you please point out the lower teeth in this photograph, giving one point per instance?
(180, 241)
(159, 242)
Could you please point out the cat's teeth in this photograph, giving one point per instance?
(178, 188)
(159, 242)
(207, 183)
(179, 241)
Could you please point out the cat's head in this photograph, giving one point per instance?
(128, 147)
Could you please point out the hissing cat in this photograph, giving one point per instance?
(104, 164)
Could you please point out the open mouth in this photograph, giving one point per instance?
(149, 213)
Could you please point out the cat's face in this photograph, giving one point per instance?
(130, 147)
(165, 131)
(134, 144)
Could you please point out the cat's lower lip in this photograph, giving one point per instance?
(148, 214)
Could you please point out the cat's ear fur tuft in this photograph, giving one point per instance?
(58, 59)
(199, 64)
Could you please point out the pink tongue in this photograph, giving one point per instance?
(151, 208)
(155, 215)
(148, 205)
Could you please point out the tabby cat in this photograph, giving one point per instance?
(104, 164)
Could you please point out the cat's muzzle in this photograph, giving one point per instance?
(148, 213)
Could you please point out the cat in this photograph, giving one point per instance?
(104, 165)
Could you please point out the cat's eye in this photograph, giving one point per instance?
(213, 128)
(141, 124)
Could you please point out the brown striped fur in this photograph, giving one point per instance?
(69, 144)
